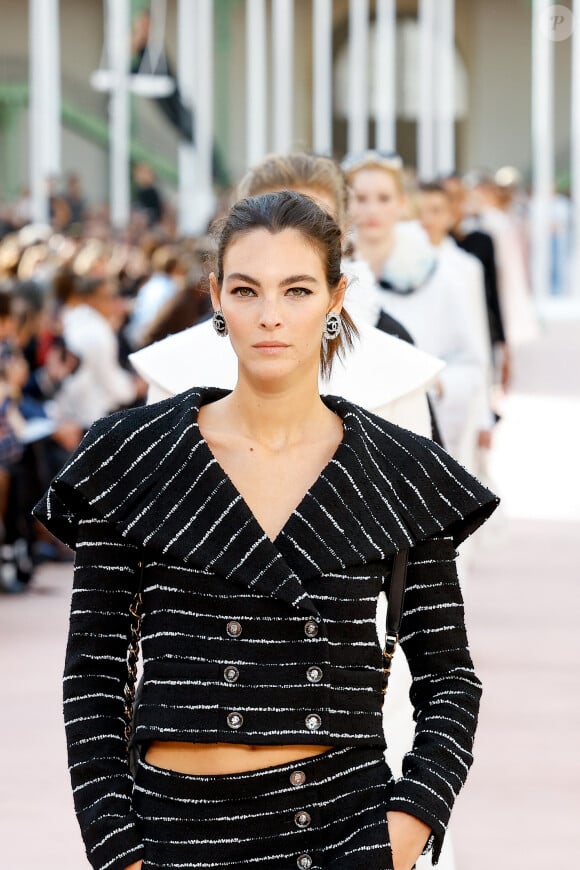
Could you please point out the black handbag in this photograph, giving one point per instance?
(395, 598)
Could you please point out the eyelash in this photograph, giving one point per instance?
(243, 293)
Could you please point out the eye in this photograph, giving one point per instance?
(298, 291)
(244, 292)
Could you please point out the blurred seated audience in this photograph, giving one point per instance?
(91, 317)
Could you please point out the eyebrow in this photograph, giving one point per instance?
(292, 279)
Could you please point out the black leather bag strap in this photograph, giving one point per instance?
(394, 611)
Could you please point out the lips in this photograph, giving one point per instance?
(270, 344)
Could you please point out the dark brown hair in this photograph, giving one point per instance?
(287, 210)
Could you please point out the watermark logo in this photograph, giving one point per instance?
(557, 22)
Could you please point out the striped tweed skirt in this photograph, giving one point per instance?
(327, 812)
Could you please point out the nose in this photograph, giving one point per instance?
(270, 315)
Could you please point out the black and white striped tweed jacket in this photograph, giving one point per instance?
(249, 640)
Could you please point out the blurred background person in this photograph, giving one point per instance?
(435, 216)
(480, 244)
(488, 209)
(147, 197)
(33, 445)
(188, 305)
(416, 288)
(169, 271)
(91, 316)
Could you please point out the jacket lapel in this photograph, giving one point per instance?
(153, 476)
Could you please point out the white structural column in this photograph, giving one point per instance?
(427, 90)
(283, 68)
(118, 28)
(574, 280)
(322, 76)
(204, 85)
(384, 108)
(186, 34)
(542, 147)
(45, 139)
(256, 83)
(358, 85)
(445, 88)
(195, 38)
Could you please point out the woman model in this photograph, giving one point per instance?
(265, 521)
(379, 372)
(417, 289)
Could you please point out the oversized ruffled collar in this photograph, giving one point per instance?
(151, 474)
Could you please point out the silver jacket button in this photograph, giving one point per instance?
(310, 628)
(235, 720)
(314, 674)
(313, 721)
(304, 862)
(234, 628)
(302, 819)
(231, 674)
(297, 777)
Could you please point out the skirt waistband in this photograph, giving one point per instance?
(316, 770)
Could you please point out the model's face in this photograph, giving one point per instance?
(375, 204)
(275, 300)
(435, 215)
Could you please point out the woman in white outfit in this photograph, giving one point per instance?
(416, 288)
(467, 272)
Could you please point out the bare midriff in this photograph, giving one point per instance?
(208, 759)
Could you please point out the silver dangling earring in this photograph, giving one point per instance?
(219, 324)
(332, 327)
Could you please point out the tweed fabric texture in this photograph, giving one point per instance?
(251, 641)
(323, 813)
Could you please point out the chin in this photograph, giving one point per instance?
(373, 233)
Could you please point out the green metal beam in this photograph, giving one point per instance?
(10, 153)
(93, 128)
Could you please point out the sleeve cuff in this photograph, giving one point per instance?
(404, 799)
(113, 844)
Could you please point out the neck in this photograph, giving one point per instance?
(437, 239)
(277, 417)
(375, 251)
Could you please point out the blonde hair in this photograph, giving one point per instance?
(297, 171)
(392, 164)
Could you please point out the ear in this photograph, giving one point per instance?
(214, 291)
(337, 296)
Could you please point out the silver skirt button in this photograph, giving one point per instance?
(304, 862)
(297, 777)
(310, 628)
(302, 819)
(235, 720)
(314, 674)
(234, 628)
(313, 721)
(231, 674)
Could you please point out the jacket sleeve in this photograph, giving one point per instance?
(445, 691)
(105, 579)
